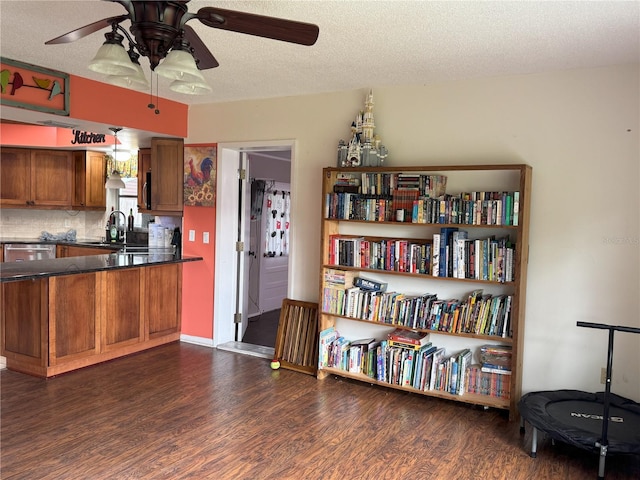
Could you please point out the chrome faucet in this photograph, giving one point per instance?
(124, 225)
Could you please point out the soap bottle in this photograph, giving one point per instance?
(113, 233)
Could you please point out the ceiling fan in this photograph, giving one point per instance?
(159, 27)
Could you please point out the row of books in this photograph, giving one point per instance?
(478, 314)
(386, 183)
(488, 383)
(476, 208)
(450, 253)
(348, 205)
(455, 255)
(422, 367)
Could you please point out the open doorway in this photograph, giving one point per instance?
(251, 280)
(268, 245)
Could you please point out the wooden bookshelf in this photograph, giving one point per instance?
(337, 223)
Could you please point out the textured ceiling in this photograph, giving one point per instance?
(362, 44)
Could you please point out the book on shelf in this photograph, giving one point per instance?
(446, 251)
(464, 360)
(435, 255)
(423, 365)
(325, 339)
(488, 368)
(516, 208)
(458, 248)
(339, 188)
(333, 277)
(344, 178)
(437, 359)
(367, 284)
(409, 337)
(498, 355)
(409, 346)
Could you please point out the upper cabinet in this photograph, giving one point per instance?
(35, 178)
(89, 178)
(144, 177)
(160, 176)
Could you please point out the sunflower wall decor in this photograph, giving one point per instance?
(200, 175)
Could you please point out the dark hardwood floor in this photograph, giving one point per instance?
(262, 329)
(184, 411)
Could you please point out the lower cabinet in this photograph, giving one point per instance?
(73, 309)
(63, 323)
(123, 321)
(163, 317)
(24, 324)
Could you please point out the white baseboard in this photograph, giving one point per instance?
(205, 342)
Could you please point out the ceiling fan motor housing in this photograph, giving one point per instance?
(155, 26)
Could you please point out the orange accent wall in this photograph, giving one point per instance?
(198, 277)
(34, 136)
(111, 105)
(29, 135)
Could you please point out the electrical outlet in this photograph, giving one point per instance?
(192, 235)
(205, 237)
(603, 375)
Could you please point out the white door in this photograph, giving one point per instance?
(274, 268)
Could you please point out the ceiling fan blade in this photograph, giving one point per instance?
(259, 25)
(203, 55)
(78, 33)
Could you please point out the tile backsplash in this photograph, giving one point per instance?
(30, 223)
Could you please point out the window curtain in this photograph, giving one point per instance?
(277, 208)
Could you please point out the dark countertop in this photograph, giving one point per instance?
(37, 269)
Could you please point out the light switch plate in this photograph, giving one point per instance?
(192, 235)
(205, 237)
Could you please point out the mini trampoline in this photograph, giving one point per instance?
(576, 417)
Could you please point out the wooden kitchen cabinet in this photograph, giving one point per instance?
(88, 181)
(23, 318)
(73, 314)
(163, 300)
(61, 323)
(35, 178)
(123, 321)
(15, 177)
(165, 162)
(144, 166)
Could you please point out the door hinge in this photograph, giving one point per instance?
(239, 246)
(242, 174)
(237, 318)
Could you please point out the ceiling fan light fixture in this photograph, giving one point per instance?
(136, 81)
(190, 88)
(179, 65)
(112, 60)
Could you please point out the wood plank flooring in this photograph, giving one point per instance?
(184, 411)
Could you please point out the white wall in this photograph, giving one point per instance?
(578, 129)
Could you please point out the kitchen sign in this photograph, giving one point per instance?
(81, 137)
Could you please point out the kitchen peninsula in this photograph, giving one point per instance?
(62, 314)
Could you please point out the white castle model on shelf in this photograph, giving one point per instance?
(364, 149)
